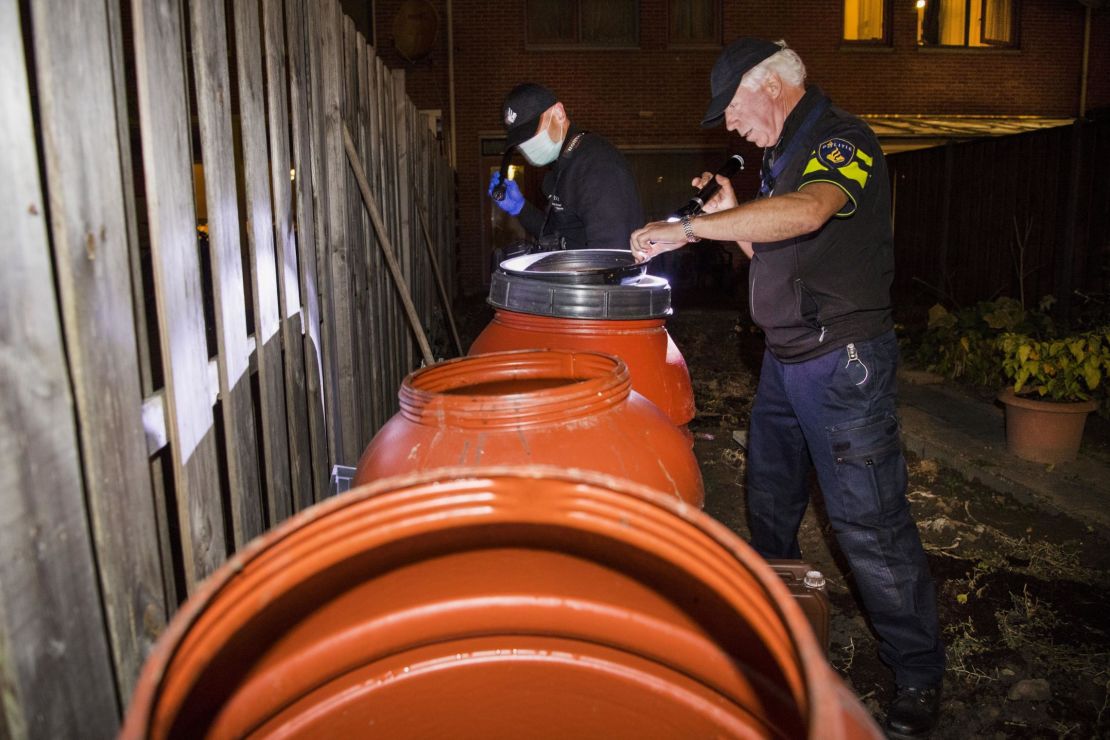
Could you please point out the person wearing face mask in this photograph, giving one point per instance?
(592, 201)
(820, 241)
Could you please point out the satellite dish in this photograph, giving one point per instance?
(414, 29)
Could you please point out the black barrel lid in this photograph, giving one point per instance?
(638, 297)
(576, 266)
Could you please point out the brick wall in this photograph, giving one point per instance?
(655, 96)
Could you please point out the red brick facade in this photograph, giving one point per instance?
(653, 97)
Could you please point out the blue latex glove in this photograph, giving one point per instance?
(514, 199)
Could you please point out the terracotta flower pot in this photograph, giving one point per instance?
(657, 368)
(1044, 431)
(494, 603)
(553, 407)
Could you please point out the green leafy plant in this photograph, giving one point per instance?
(1073, 368)
(964, 345)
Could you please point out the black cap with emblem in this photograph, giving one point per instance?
(522, 109)
(731, 66)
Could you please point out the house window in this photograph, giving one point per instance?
(590, 23)
(865, 21)
(695, 23)
(969, 23)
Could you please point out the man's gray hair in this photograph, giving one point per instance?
(786, 64)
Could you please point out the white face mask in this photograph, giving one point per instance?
(541, 149)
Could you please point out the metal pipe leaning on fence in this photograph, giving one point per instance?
(387, 246)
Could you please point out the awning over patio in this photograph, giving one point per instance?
(899, 133)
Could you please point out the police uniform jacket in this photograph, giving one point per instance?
(592, 201)
(818, 292)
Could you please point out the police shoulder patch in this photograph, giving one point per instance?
(836, 152)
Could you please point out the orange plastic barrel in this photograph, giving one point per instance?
(658, 370)
(494, 603)
(552, 407)
(594, 300)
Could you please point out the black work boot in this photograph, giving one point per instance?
(913, 713)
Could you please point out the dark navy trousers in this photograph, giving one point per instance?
(837, 411)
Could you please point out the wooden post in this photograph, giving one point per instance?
(387, 248)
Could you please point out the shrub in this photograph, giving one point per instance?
(964, 345)
(1072, 368)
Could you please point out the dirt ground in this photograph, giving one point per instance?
(1023, 595)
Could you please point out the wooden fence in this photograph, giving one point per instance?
(169, 394)
(970, 218)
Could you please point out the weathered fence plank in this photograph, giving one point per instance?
(56, 669)
(210, 69)
(115, 475)
(264, 267)
(90, 237)
(337, 245)
(400, 283)
(296, 402)
(356, 241)
(384, 389)
(374, 416)
(307, 232)
(147, 357)
(314, 30)
(164, 121)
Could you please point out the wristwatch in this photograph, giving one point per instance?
(688, 229)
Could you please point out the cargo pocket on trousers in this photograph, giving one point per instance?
(869, 467)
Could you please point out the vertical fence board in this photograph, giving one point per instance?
(164, 120)
(55, 663)
(385, 388)
(296, 402)
(348, 105)
(371, 382)
(389, 212)
(264, 266)
(90, 234)
(315, 23)
(307, 230)
(337, 245)
(139, 301)
(374, 418)
(210, 70)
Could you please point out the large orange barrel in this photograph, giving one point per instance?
(553, 407)
(556, 310)
(494, 603)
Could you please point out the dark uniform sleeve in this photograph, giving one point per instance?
(606, 199)
(531, 218)
(844, 160)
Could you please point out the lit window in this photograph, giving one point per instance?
(970, 23)
(865, 21)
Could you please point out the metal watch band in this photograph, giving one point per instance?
(688, 229)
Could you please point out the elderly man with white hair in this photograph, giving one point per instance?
(819, 238)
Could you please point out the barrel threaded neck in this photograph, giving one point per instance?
(515, 389)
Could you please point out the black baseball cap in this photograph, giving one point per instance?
(522, 109)
(731, 66)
